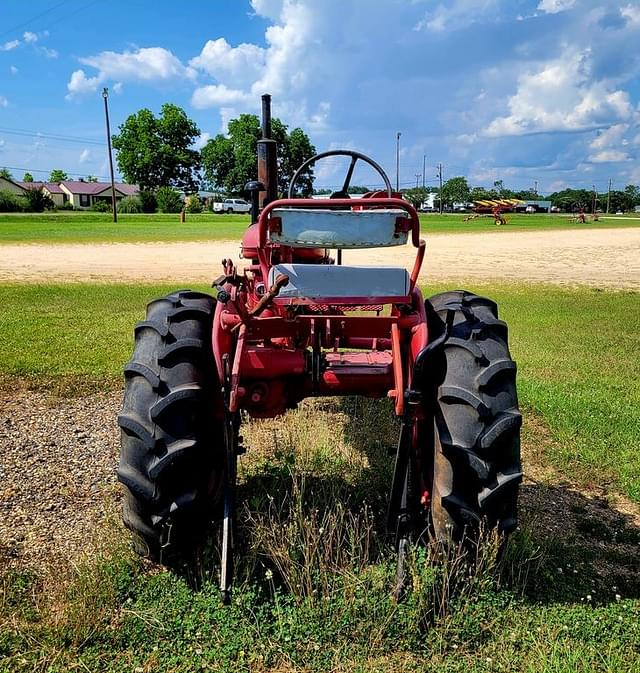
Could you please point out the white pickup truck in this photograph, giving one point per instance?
(232, 206)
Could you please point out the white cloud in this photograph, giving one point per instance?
(80, 84)
(13, 70)
(218, 95)
(242, 64)
(456, 14)
(607, 156)
(8, 46)
(631, 12)
(555, 6)
(269, 9)
(85, 155)
(614, 135)
(29, 37)
(150, 64)
(3, 102)
(49, 53)
(202, 140)
(561, 96)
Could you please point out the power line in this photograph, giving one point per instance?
(51, 136)
(33, 18)
(40, 170)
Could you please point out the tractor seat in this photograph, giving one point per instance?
(331, 284)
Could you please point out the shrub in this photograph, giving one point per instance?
(193, 204)
(37, 200)
(169, 200)
(130, 204)
(148, 201)
(101, 207)
(67, 205)
(9, 202)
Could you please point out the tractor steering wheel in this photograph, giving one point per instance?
(344, 192)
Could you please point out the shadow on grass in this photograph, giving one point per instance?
(570, 548)
(591, 549)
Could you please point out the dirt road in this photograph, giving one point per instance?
(595, 257)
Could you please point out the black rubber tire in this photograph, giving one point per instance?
(172, 450)
(476, 468)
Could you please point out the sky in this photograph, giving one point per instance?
(531, 92)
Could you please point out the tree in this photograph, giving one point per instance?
(169, 200)
(6, 174)
(229, 162)
(91, 178)
(526, 195)
(619, 200)
(633, 192)
(455, 190)
(156, 152)
(37, 200)
(27, 177)
(58, 175)
(482, 194)
(294, 149)
(416, 196)
(571, 200)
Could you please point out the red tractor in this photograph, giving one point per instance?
(295, 324)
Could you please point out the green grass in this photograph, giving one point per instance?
(314, 583)
(81, 227)
(315, 573)
(577, 351)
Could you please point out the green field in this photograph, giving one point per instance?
(576, 350)
(79, 227)
(313, 592)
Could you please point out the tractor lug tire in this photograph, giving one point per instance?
(172, 447)
(476, 468)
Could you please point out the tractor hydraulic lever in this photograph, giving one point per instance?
(281, 281)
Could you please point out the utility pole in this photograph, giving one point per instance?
(398, 134)
(535, 187)
(424, 166)
(105, 95)
(440, 193)
(595, 198)
(418, 179)
(609, 196)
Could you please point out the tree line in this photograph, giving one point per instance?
(156, 152)
(457, 190)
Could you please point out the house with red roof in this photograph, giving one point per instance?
(51, 189)
(84, 194)
(80, 193)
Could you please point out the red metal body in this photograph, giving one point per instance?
(279, 353)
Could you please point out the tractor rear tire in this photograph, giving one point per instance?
(172, 447)
(477, 469)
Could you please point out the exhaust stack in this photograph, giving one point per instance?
(267, 157)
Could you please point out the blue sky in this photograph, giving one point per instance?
(518, 90)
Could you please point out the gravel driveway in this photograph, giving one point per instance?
(57, 473)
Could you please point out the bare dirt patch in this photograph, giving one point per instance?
(608, 258)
